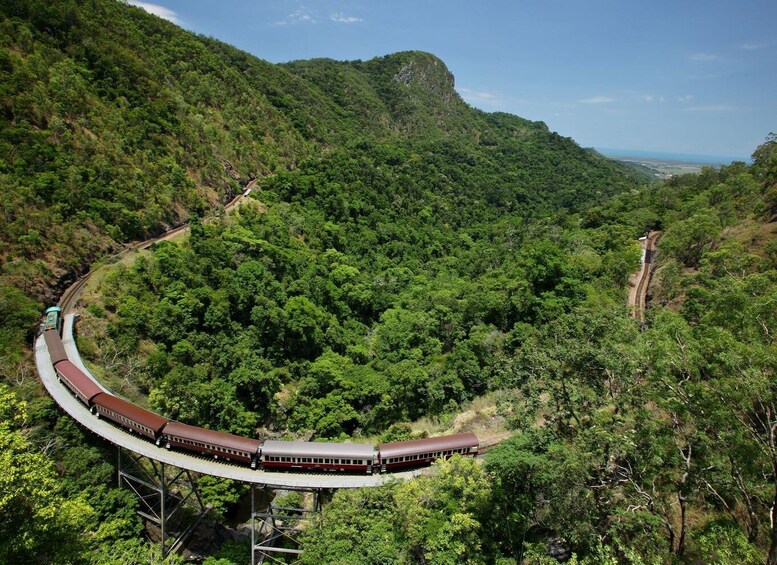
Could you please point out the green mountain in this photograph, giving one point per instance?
(117, 124)
(407, 265)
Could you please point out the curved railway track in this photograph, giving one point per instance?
(638, 298)
(192, 462)
(185, 460)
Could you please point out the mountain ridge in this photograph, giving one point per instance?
(122, 139)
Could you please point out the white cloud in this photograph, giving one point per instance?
(704, 57)
(480, 98)
(711, 108)
(648, 98)
(686, 98)
(755, 46)
(341, 18)
(597, 100)
(299, 16)
(157, 10)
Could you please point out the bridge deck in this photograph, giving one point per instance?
(141, 446)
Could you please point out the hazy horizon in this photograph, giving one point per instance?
(672, 156)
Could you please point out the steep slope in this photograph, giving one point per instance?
(117, 124)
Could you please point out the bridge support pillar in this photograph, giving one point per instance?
(168, 497)
(274, 527)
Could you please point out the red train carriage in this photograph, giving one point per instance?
(357, 457)
(77, 381)
(55, 347)
(422, 451)
(129, 416)
(209, 442)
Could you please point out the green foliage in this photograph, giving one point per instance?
(37, 523)
(219, 493)
(106, 141)
(432, 520)
(230, 553)
(441, 517)
(409, 253)
(722, 542)
(19, 316)
(134, 551)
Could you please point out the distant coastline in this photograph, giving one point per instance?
(673, 157)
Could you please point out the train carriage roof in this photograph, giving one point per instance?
(55, 346)
(212, 437)
(428, 445)
(80, 380)
(129, 410)
(318, 449)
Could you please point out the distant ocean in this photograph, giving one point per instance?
(663, 156)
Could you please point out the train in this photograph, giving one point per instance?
(258, 454)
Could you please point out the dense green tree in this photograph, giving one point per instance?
(37, 523)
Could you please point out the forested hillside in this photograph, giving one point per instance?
(652, 446)
(117, 124)
(402, 255)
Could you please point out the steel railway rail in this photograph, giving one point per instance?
(49, 364)
(198, 464)
(646, 273)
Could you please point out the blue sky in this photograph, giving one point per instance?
(673, 76)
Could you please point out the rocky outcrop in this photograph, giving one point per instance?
(429, 73)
